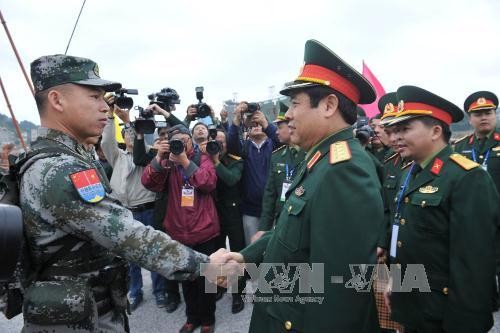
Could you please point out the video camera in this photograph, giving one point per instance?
(363, 130)
(202, 109)
(122, 101)
(165, 99)
(213, 146)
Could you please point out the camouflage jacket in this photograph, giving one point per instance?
(53, 209)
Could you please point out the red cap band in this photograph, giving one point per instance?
(415, 108)
(318, 74)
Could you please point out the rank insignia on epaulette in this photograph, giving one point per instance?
(436, 166)
(299, 191)
(390, 158)
(406, 165)
(428, 189)
(463, 161)
(339, 152)
(88, 185)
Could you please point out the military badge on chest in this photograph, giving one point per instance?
(88, 185)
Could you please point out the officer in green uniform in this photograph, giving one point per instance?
(285, 162)
(332, 211)
(445, 220)
(74, 231)
(229, 168)
(483, 147)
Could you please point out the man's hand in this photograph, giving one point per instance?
(387, 295)
(238, 113)
(158, 110)
(215, 159)
(122, 114)
(163, 150)
(381, 255)
(180, 159)
(257, 235)
(260, 119)
(191, 112)
(109, 98)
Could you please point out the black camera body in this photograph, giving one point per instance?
(176, 146)
(213, 146)
(122, 101)
(252, 107)
(363, 130)
(165, 98)
(202, 109)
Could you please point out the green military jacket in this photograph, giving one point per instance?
(227, 193)
(282, 159)
(446, 222)
(393, 166)
(321, 222)
(487, 154)
(380, 153)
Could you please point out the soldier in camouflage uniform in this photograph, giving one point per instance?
(74, 230)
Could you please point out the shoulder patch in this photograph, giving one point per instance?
(278, 149)
(390, 157)
(88, 185)
(339, 152)
(463, 161)
(234, 157)
(461, 139)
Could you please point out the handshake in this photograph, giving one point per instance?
(224, 268)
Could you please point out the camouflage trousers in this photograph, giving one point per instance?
(110, 322)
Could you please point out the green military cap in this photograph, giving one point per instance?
(417, 102)
(481, 100)
(322, 67)
(53, 70)
(283, 108)
(388, 107)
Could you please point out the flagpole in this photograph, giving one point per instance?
(17, 54)
(14, 121)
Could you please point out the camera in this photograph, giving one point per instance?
(122, 101)
(252, 107)
(202, 109)
(165, 99)
(213, 146)
(176, 146)
(363, 130)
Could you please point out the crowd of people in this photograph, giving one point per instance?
(308, 187)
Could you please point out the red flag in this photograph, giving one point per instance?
(372, 109)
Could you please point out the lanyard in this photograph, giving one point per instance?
(186, 179)
(401, 193)
(289, 173)
(485, 161)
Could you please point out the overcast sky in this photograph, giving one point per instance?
(448, 47)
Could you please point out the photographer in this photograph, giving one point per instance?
(127, 188)
(365, 134)
(229, 169)
(192, 216)
(142, 157)
(256, 152)
(379, 143)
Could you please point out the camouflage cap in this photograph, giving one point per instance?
(53, 70)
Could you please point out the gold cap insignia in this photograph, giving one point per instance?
(389, 108)
(401, 106)
(481, 101)
(428, 189)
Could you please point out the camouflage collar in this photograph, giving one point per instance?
(60, 137)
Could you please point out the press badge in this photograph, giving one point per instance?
(284, 189)
(187, 198)
(394, 240)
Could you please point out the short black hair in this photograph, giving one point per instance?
(430, 121)
(41, 100)
(346, 106)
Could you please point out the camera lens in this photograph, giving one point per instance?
(124, 102)
(213, 147)
(203, 110)
(176, 146)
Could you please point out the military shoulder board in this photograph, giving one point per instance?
(463, 161)
(339, 152)
(460, 140)
(234, 157)
(406, 165)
